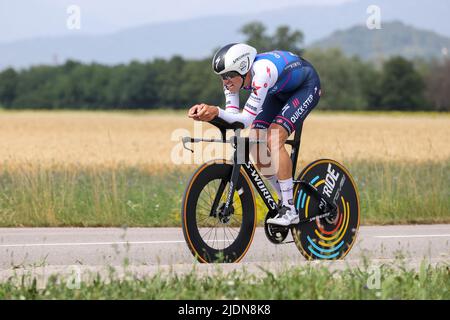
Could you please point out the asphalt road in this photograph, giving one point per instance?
(148, 248)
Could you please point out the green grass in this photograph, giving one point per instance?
(393, 193)
(390, 193)
(309, 282)
(90, 197)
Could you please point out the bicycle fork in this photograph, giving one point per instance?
(229, 201)
(233, 181)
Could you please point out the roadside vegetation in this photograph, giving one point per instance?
(390, 193)
(394, 281)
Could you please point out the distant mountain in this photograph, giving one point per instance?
(187, 39)
(395, 38)
(197, 38)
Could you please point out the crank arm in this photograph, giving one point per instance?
(315, 193)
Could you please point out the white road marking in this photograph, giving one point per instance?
(68, 244)
(415, 236)
(63, 244)
(87, 243)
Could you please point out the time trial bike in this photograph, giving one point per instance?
(218, 210)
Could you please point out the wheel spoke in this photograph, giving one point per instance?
(231, 234)
(225, 237)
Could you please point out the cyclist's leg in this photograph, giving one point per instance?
(260, 153)
(271, 107)
(297, 107)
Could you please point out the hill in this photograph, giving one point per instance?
(394, 38)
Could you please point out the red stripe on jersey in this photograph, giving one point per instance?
(253, 114)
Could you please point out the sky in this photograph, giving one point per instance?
(22, 19)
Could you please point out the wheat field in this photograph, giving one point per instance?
(151, 139)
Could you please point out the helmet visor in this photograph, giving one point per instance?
(229, 75)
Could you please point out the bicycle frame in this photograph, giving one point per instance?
(238, 142)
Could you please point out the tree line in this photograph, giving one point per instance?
(347, 83)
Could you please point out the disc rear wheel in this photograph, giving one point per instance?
(331, 237)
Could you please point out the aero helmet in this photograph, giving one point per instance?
(234, 57)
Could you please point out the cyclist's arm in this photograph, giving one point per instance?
(243, 117)
(231, 113)
(231, 101)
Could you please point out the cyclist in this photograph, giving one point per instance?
(284, 89)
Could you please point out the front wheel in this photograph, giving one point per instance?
(210, 235)
(331, 237)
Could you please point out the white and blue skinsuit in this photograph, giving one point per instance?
(285, 88)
